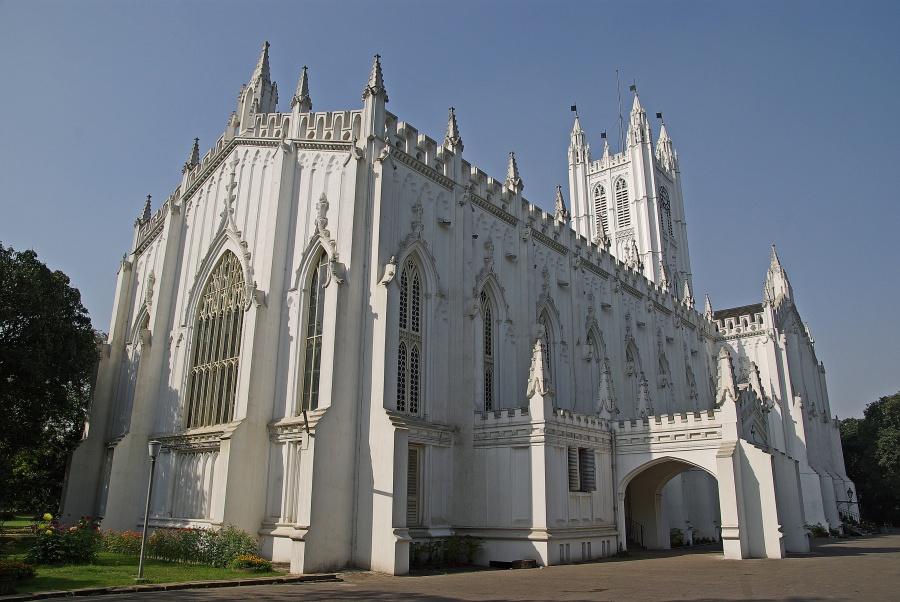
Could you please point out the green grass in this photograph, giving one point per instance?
(114, 569)
(18, 522)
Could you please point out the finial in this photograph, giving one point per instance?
(193, 158)
(513, 180)
(560, 212)
(707, 308)
(688, 298)
(145, 217)
(301, 94)
(375, 85)
(452, 139)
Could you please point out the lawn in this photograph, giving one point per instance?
(18, 522)
(114, 569)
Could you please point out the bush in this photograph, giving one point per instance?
(57, 545)
(12, 571)
(202, 546)
(817, 530)
(127, 543)
(455, 550)
(251, 562)
(676, 537)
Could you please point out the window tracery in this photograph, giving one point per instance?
(487, 315)
(623, 212)
(312, 354)
(600, 210)
(216, 354)
(409, 356)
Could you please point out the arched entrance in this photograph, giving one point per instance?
(669, 493)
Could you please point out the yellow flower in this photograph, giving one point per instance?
(48, 532)
(48, 516)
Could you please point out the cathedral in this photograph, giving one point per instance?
(348, 340)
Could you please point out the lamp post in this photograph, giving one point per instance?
(153, 450)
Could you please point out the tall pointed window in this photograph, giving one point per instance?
(547, 343)
(487, 335)
(312, 353)
(600, 210)
(623, 212)
(666, 213)
(594, 369)
(217, 345)
(409, 352)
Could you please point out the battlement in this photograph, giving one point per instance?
(663, 422)
(744, 320)
(608, 162)
(148, 229)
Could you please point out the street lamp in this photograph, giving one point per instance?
(153, 449)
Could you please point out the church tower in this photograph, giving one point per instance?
(631, 203)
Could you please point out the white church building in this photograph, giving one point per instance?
(348, 339)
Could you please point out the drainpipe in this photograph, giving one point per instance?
(612, 441)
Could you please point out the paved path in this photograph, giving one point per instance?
(858, 569)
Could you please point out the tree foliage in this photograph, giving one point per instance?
(47, 358)
(872, 457)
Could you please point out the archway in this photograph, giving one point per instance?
(667, 494)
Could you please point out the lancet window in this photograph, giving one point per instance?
(487, 335)
(547, 344)
(312, 353)
(409, 352)
(217, 345)
(600, 210)
(666, 213)
(623, 212)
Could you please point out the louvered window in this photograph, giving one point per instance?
(413, 497)
(582, 469)
(487, 315)
(315, 308)
(623, 212)
(666, 213)
(409, 355)
(600, 210)
(217, 345)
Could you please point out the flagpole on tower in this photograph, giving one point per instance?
(621, 132)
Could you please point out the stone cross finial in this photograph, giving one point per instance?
(452, 139)
(301, 94)
(145, 216)
(560, 212)
(375, 86)
(513, 180)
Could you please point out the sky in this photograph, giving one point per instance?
(784, 116)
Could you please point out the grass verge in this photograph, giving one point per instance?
(115, 569)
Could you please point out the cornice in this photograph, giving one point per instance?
(549, 242)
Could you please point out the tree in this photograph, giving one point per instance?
(47, 358)
(872, 457)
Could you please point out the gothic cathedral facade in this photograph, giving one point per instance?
(348, 339)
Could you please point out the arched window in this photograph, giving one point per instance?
(312, 353)
(487, 340)
(547, 342)
(217, 345)
(409, 354)
(600, 210)
(666, 213)
(623, 212)
(594, 360)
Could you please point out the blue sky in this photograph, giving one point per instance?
(784, 115)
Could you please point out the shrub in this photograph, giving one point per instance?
(57, 545)
(676, 537)
(817, 530)
(202, 546)
(12, 571)
(447, 551)
(127, 543)
(251, 562)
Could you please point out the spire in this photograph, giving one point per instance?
(145, 216)
(513, 180)
(452, 139)
(261, 72)
(560, 211)
(777, 288)
(707, 308)
(665, 154)
(579, 149)
(638, 126)
(375, 86)
(193, 159)
(301, 94)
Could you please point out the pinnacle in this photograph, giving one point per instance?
(375, 85)
(636, 105)
(262, 65)
(577, 125)
(301, 94)
(193, 157)
(512, 172)
(663, 134)
(774, 261)
(145, 216)
(452, 138)
(560, 210)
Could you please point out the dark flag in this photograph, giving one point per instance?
(573, 108)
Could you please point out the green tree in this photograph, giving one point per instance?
(47, 358)
(872, 457)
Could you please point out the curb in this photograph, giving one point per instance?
(160, 587)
